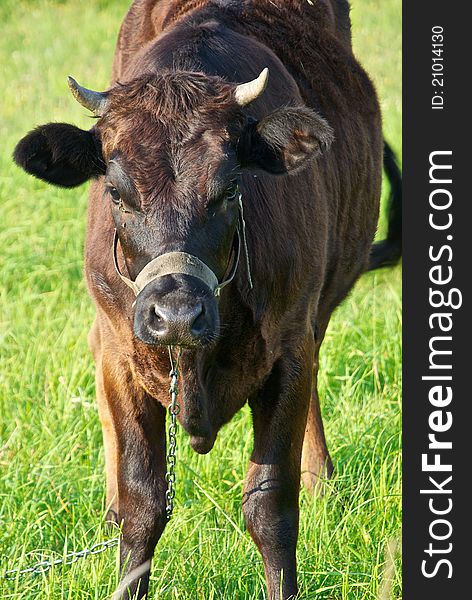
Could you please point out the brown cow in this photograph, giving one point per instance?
(186, 125)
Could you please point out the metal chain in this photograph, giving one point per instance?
(174, 410)
(68, 559)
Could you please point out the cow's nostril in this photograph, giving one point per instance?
(199, 324)
(177, 325)
(158, 319)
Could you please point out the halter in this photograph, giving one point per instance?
(183, 263)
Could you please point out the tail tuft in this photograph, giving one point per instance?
(389, 251)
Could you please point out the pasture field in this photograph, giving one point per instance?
(51, 455)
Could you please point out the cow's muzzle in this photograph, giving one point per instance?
(176, 310)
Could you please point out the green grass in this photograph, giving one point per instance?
(51, 456)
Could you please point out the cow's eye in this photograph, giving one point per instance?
(115, 195)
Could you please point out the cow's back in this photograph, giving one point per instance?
(148, 18)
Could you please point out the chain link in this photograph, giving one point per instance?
(70, 558)
(174, 410)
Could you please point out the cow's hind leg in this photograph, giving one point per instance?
(316, 462)
(270, 502)
(108, 430)
(138, 423)
(106, 420)
(109, 443)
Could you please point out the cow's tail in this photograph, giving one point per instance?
(388, 252)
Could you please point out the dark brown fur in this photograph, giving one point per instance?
(175, 123)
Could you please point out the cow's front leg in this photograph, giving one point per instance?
(139, 430)
(270, 502)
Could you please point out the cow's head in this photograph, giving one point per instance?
(171, 147)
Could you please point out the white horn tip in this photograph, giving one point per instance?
(247, 92)
(264, 77)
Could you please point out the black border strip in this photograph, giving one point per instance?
(428, 130)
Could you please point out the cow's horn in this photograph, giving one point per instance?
(93, 101)
(247, 92)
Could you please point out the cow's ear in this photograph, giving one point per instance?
(61, 154)
(285, 140)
